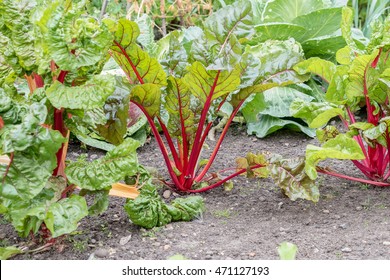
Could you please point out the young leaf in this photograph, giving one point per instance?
(291, 177)
(63, 216)
(89, 96)
(252, 160)
(287, 251)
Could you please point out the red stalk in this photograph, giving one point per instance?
(170, 144)
(219, 142)
(217, 184)
(335, 174)
(196, 148)
(38, 81)
(163, 149)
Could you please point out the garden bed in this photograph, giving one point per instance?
(351, 220)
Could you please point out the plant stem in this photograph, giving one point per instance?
(163, 149)
(335, 174)
(219, 142)
(196, 148)
(241, 171)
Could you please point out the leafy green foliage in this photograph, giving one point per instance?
(270, 111)
(291, 177)
(360, 78)
(101, 173)
(185, 82)
(8, 252)
(50, 82)
(148, 210)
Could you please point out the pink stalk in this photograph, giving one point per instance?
(217, 184)
(219, 142)
(335, 174)
(195, 152)
(163, 149)
(170, 144)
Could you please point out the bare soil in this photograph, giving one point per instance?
(351, 220)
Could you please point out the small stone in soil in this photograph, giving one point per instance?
(359, 208)
(167, 247)
(326, 211)
(346, 250)
(101, 253)
(343, 226)
(337, 217)
(280, 204)
(167, 194)
(124, 240)
(157, 244)
(252, 254)
(386, 243)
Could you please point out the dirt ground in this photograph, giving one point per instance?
(351, 220)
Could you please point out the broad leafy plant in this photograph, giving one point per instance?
(50, 85)
(193, 73)
(316, 25)
(361, 78)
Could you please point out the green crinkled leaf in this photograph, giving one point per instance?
(27, 215)
(63, 216)
(34, 149)
(100, 201)
(148, 210)
(72, 41)
(146, 36)
(359, 77)
(89, 96)
(202, 82)
(100, 174)
(223, 30)
(340, 147)
(186, 209)
(290, 175)
(268, 124)
(277, 59)
(174, 59)
(136, 63)
(17, 35)
(323, 68)
(316, 114)
(148, 96)
(8, 252)
(244, 93)
(116, 109)
(275, 102)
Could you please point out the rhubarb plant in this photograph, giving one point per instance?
(192, 74)
(58, 51)
(361, 78)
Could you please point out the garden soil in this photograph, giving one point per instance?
(351, 220)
